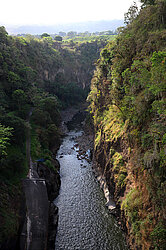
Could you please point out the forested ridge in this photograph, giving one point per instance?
(38, 78)
(128, 105)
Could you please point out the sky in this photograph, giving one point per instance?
(50, 12)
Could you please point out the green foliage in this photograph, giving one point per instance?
(70, 93)
(158, 74)
(148, 2)
(35, 144)
(20, 101)
(45, 35)
(13, 77)
(128, 105)
(49, 164)
(121, 179)
(58, 38)
(132, 205)
(5, 134)
(46, 119)
(18, 125)
(131, 14)
(3, 34)
(119, 169)
(38, 77)
(45, 75)
(50, 105)
(9, 218)
(147, 140)
(158, 236)
(10, 225)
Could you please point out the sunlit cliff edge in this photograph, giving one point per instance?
(127, 102)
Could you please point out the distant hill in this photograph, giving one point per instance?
(91, 26)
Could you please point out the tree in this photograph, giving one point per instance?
(5, 134)
(3, 34)
(58, 38)
(45, 35)
(71, 34)
(148, 2)
(131, 14)
(61, 33)
(19, 97)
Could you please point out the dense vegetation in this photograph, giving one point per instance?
(86, 36)
(128, 104)
(38, 77)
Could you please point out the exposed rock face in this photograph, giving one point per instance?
(52, 226)
(106, 175)
(52, 179)
(129, 126)
(34, 234)
(53, 182)
(41, 188)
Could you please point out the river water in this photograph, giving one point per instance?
(84, 221)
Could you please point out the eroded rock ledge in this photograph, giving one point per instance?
(41, 187)
(53, 182)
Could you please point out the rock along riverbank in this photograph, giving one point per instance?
(84, 220)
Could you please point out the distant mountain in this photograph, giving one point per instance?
(91, 26)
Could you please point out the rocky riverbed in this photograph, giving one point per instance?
(84, 220)
(84, 146)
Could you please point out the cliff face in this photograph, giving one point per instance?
(41, 187)
(127, 102)
(39, 75)
(55, 62)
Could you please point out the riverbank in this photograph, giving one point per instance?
(85, 145)
(41, 187)
(49, 179)
(84, 220)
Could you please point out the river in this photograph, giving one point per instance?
(84, 221)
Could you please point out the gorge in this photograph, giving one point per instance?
(124, 82)
(84, 220)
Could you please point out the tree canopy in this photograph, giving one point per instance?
(5, 134)
(45, 35)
